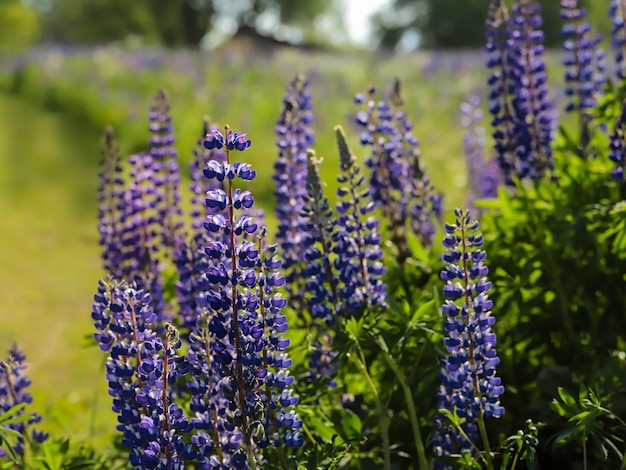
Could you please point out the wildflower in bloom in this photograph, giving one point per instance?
(295, 136)
(357, 240)
(470, 386)
(584, 64)
(110, 190)
(398, 182)
(617, 146)
(243, 311)
(584, 61)
(483, 175)
(14, 391)
(141, 369)
(165, 168)
(523, 115)
(322, 300)
(617, 13)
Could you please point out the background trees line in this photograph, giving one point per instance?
(184, 23)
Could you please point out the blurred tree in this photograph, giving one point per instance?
(172, 22)
(19, 25)
(455, 23)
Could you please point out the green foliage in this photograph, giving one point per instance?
(19, 26)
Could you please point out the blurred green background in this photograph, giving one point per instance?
(69, 67)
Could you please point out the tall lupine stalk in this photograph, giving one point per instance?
(191, 262)
(14, 385)
(244, 336)
(584, 64)
(295, 136)
(483, 175)
(141, 369)
(323, 299)
(470, 389)
(166, 170)
(534, 111)
(501, 81)
(110, 190)
(617, 146)
(398, 181)
(357, 240)
(617, 13)
(523, 116)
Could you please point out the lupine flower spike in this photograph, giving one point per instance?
(617, 13)
(295, 136)
(398, 182)
(483, 175)
(584, 63)
(357, 240)
(471, 388)
(244, 313)
(618, 146)
(141, 370)
(323, 300)
(14, 391)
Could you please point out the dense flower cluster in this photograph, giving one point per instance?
(470, 387)
(523, 115)
(584, 61)
(13, 392)
(295, 136)
(357, 239)
(398, 181)
(484, 176)
(617, 145)
(617, 13)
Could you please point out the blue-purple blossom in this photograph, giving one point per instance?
(470, 387)
(356, 239)
(483, 175)
(295, 136)
(398, 181)
(14, 384)
(584, 60)
(523, 115)
(322, 300)
(141, 370)
(245, 325)
(110, 191)
(617, 146)
(617, 13)
(166, 173)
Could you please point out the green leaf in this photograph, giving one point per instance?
(351, 424)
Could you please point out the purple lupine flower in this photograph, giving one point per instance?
(357, 240)
(523, 115)
(617, 13)
(398, 181)
(110, 190)
(617, 146)
(191, 262)
(470, 386)
(535, 113)
(141, 369)
(139, 219)
(295, 136)
(322, 300)
(238, 329)
(317, 245)
(14, 391)
(502, 82)
(281, 423)
(166, 171)
(483, 176)
(584, 61)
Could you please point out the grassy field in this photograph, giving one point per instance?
(49, 151)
